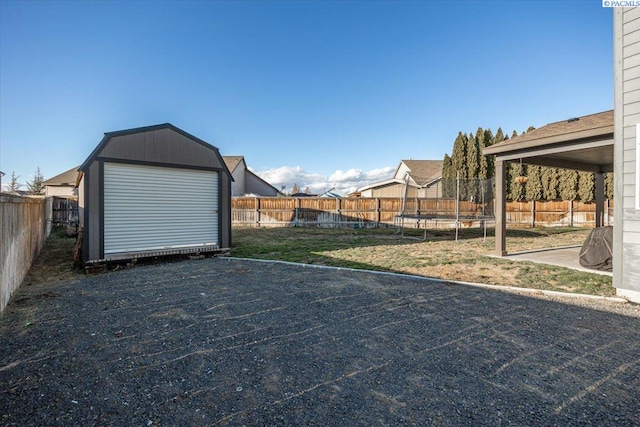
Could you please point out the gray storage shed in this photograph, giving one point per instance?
(151, 191)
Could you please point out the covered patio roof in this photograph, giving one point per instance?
(581, 143)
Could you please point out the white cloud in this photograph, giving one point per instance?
(343, 182)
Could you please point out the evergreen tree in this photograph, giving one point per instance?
(36, 186)
(486, 164)
(448, 184)
(608, 186)
(491, 166)
(533, 187)
(473, 154)
(295, 189)
(516, 189)
(568, 184)
(14, 186)
(529, 129)
(509, 166)
(514, 134)
(586, 186)
(459, 160)
(550, 183)
(489, 139)
(473, 168)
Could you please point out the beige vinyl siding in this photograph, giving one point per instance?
(60, 191)
(393, 190)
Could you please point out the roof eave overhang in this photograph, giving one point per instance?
(561, 151)
(604, 133)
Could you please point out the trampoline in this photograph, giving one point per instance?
(460, 202)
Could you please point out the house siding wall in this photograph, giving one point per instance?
(163, 147)
(402, 171)
(60, 191)
(433, 191)
(627, 115)
(238, 185)
(253, 185)
(392, 190)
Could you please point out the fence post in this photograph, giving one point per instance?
(570, 213)
(257, 212)
(533, 213)
(338, 211)
(377, 211)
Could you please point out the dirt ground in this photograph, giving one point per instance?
(232, 342)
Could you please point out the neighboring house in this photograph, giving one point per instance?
(626, 237)
(63, 185)
(413, 178)
(245, 182)
(153, 191)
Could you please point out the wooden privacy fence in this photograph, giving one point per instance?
(23, 231)
(557, 213)
(64, 211)
(382, 212)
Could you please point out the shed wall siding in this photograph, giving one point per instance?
(225, 210)
(627, 87)
(93, 208)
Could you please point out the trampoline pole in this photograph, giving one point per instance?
(457, 202)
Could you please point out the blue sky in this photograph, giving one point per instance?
(318, 93)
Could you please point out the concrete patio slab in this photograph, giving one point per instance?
(562, 257)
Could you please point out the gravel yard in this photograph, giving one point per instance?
(234, 342)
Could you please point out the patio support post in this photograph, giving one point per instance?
(501, 205)
(599, 198)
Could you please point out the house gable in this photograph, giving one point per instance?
(67, 178)
(417, 174)
(245, 181)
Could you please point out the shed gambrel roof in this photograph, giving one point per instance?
(422, 172)
(65, 178)
(109, 135)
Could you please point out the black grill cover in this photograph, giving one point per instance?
(596, 250)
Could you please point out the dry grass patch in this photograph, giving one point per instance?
(439, 256)
(55, 261)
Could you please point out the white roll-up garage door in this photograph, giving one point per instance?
(149, 208)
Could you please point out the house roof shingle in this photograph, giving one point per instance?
(65, 178)
(232, 162)
(424, 171)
